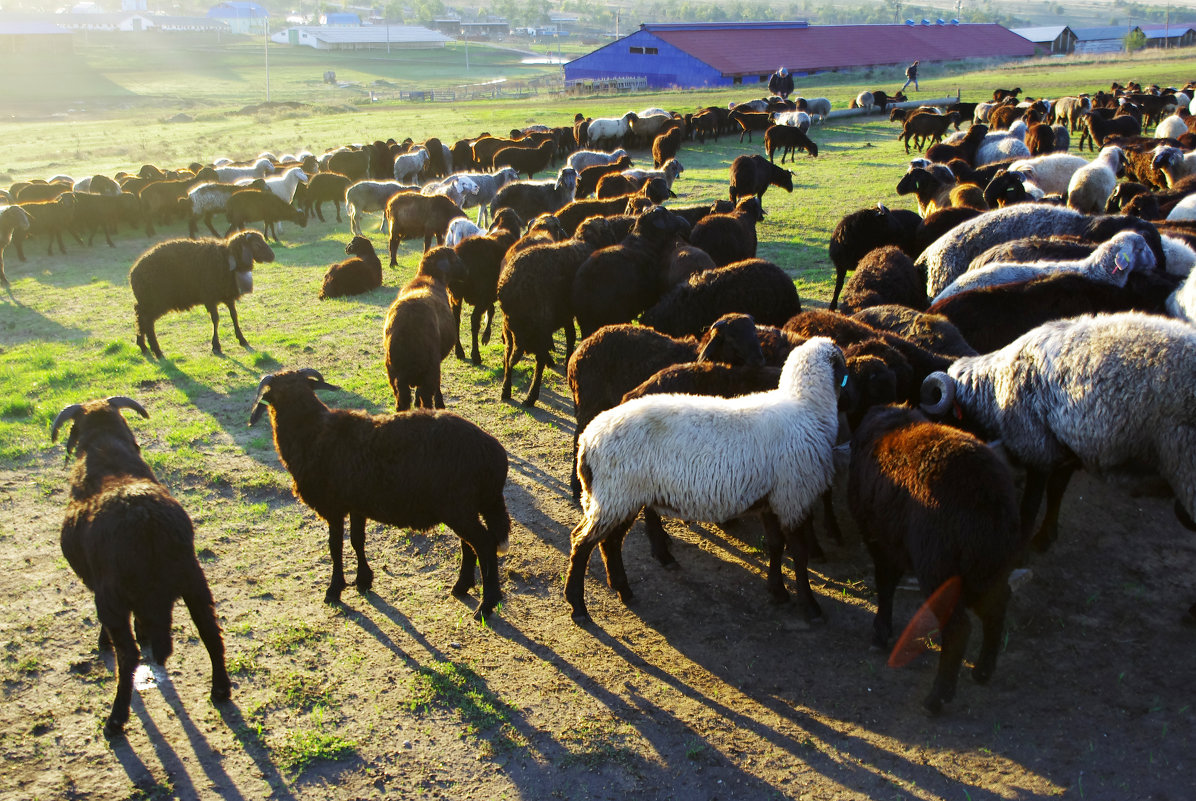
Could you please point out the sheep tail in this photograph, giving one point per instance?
(498, 522)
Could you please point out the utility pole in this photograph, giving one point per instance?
(266, 51)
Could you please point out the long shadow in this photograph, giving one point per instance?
(22, 324)
(252, 745)
(208, 758)
(167, 758)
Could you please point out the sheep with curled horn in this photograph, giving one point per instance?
(412, 469)
(132, 545)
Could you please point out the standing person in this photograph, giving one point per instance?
(911, 76)
(781, 83)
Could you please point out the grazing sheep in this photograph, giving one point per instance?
(530, 199)
(921, 127)
(752, 175)
(482, 259)
(617, 283)
(180, 273)
(50, 218)
(730, 237)
(937, 501)
(132, 544)
(415, 469)
(861, 232)
(1097, 128)
(486, 186)
(754, 287)
(609, 132)
(817, 107)
(587, 179)
(1051, 172)
(1090, 185)
(668, 173)
(992, 317)
(535, 291)
(419, 331)
(750, 121)
(206, 200)
(14, 220)
(250, 205)
(580, 159)
(793, 119)
(325, 187)
(966, 148)
(1047, 396)
(1111, 263)
(1071, 110)
(788, 140)
(885, 275)
(353, 276)
(712, 459)
(232, 173)
(364, 196)
(413, 215)
(457, 188)
(283, 185)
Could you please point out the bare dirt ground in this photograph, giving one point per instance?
(699, 689)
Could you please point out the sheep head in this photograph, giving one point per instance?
(732, 340)
(97, 415)
(277, 385)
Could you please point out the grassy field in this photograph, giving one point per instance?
(701, 692)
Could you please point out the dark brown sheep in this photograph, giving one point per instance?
(587, 179)
(419, 331)
(861, 232)
(325, 187)
(523, 159)
(752, 175)
(753, 287)
(482, 258)
(354, 276)
(133, 545)
(414, 469)
(788, 139)
(665, 146)
(180, 273)
(413, 215)
(50, 218)
(885, 275)
(730, 237)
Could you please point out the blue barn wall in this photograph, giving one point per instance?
(668, 67)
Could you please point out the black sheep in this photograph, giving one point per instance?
(419, 331)
(754, 287)
(354, 276)
(939, 223)
(935, 501)
(617, 283)
(752, 175)
(482, 258)
(730, 237)
(861, 232)
(133, 545)
(180, 273)
(884, 275)
(413, 469)
(932, 332)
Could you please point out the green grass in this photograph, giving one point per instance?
(303, 747)
(446, 686)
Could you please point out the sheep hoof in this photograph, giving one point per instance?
(483, 614)
(332, 596)
(582, 618)
(463, 587)
(933, 705)
(625, 593)
(221, 694)
(529, 403)
(114, 729)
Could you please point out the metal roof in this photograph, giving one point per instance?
(1047, 33)
(374, 34)
(1104, 32)
(1161, 31)
(27, 27)
(237, 9)
(760, 48)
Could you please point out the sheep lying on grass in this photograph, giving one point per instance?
(414, 469)
(354, 276)
(180, 273)
(133, 545)
(712, 459)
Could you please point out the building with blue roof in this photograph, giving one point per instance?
(241, 16)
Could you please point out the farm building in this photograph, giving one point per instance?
(362, 37)
(1106, 39)
(1173, 35)
(1052, 40)
(721, 54)
(20, 35)
(241, 16)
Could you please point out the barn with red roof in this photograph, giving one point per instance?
(721, 54)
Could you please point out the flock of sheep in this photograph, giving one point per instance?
(1014, 307)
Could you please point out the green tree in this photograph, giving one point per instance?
(1134, 40)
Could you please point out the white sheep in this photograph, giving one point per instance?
(230, 174)
(1110, 263)
(794, 119)
(668, 173)
(1183, 210)
(1090, 185)
(1178, 256)
(409, 165)
(457, 188)
(283, 185)
(609, 130)
(1050, 172)
(999, 146)
(485, 187)
(712, 459)
(818, 108)
(1170, 128)
(1182, 302)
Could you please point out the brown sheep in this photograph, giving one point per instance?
(325, 187)
(419, 331)
(414, 215)
(665, 146)
(524, 159)
(253, 205)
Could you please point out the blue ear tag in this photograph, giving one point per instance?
(1121, 261)
(843, 383)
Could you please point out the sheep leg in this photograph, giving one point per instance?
(478, 544)
(203, 613)
(145, 331)
(533, 394)
(839, 276)
(658, 538)
(832, 522)
(116, 622)
(214, 313)
(775, 543)
(365, 576)
(955, 639)
(570, 340)
(992, 619)
(475, 324)
(612, 557)
(796, 539)
(455, 305)
(232, 313)
(207, 220)
(1056, 485)
(579, 556)
(336, 548)
(395, 239)
(887, 573)
(489, 322)
(466, 578)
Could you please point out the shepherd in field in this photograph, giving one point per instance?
(781, 83)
